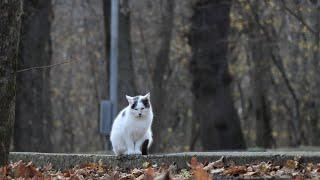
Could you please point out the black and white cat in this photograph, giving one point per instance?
(132, 126)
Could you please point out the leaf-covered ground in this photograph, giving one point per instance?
(197, 170)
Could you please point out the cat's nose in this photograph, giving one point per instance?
(140, 114)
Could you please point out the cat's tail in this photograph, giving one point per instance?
(147, 142)
(145, 147)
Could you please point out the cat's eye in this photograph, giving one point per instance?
(136, 109)
(142, 108)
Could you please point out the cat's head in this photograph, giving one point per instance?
(139, 105)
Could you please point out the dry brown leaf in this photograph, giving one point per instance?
(200, 174)
(164, 176)
(141, 177)
(101, 170)
(198, 171)
(217, 171)
(146, 164)
(66, 174)
(250, 174)
(149, 173)
(217, 164)
(309, 167)
(32, 171)
(291, 169)
(116, 175)
(235, 170)
(317, 169)
(280, 173)
(136, 172)
(3, 171)
(298, 177)
(80, 177)
(81, 172)
(47, 167)
(19, 169)
(173, 168)
(194, 163)
(127, 177)
(291, 164)
(264, 167)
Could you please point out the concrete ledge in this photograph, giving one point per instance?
(62, 161)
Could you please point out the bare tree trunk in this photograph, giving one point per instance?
(315, 139)
(213, 105)
(162, 61)
(270, 33)
(10, 12)
(33, 120)
(107, 21)
(126, 71)
(260, 79)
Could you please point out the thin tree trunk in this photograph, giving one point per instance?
(126, 71)
(162, 61)
(260, 79)
(107, 21)
(213, 105)
(33, 123)
(315, 139)
(269, 34)
(10, 12)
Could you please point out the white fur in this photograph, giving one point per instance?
(130, 130)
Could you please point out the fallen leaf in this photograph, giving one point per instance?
(149, 173)
(217, 164)
(127, 177)
(264, 167)
(200, 174)
(298, 177)
(146, 165)
(165, 176)
(116, 175)
(47, 167)
(173, 168)
(136, 172)
(194, 163)
(250, 173)
(235, 170)
(217, 171)
(3, 171)
(185, 174)
(19, 169)
(292, 164)
(141, 177)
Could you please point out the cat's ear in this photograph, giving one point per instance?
(147, 96)
(130, 99)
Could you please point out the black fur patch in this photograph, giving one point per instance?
(144, 147)
(146, 103)
(123, 113)
(135, 102)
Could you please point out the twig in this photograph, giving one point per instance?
(47, 66)
(298, 18)
(279, 65)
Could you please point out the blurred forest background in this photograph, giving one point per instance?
(223, 74)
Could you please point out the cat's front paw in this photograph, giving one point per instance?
(131, 152)
(134, 153)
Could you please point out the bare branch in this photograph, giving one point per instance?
(298, 18)
(47, 66)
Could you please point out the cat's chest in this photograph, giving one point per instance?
(137, 129)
